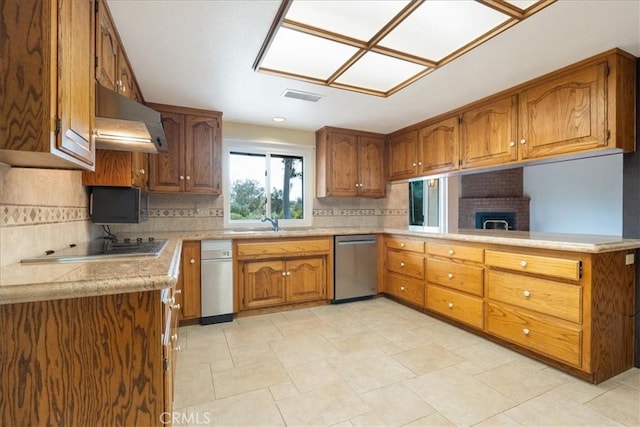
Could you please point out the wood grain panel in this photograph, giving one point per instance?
(83, 361)
(565, 268)
(488, 134)
(165, 169)
(438, 147)
(402, 155)
(405, 244)
(557, 299)
(405, 288)
(457, 276)
(456, 251)
(305, 279)
(190, 300)
(456, 305)
(561, 341)
(263, 283)
(201, 155)
(406, 263)
(342, 173)
(113, 168)
(613, 302)
(272, 248)
(371, 171)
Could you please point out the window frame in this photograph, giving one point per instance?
(273, 148)
(443, 196)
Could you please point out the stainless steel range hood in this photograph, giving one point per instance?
(126, 125)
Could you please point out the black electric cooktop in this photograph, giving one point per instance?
(102, 249)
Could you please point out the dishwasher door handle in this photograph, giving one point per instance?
(356, 242)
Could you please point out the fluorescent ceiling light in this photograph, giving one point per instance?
(378, 47)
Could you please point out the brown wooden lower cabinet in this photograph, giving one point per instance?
(570, 309)
(189, 282)
(283, 271)
(104, 360)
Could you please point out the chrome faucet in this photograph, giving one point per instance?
(274, 222)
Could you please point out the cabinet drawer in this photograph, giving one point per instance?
(266, 248)
(458, 306)
(549, 266)
(409, 264)
(561, 341)
(456, 251)
(457, 276)
(405, 244)
(405, 288)
(557, 299)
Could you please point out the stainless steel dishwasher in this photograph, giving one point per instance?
(355, 266)
(216, 281)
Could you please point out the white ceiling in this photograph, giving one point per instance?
(200, 54)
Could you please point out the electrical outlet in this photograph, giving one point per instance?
(630, 259)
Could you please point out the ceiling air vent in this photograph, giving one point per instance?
(303, 96)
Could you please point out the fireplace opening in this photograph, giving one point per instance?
(496, 220)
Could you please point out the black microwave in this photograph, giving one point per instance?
(118, 205)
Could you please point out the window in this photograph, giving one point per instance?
(427, 202)
(267, 179)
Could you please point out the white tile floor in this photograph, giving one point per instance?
(378, 363)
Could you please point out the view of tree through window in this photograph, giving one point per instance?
(268, 184)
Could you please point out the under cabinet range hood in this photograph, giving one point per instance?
(126, 125)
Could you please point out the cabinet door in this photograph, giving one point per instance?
(371, 177)
(190, 272)
(126, 81)
(263, 283)
(139, 169)
(438, 146)
(343, 159)
(107, 49)
(488, 134)
(165, 169)
(564, 115)
(305, 279)
(202, 155)
(112, 169)
(76, 79)
(403, 156)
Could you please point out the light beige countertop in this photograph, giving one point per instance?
(39, 282)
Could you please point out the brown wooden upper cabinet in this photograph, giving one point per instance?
(584, 107)
(488, 133)
(349, 163)
(431, 148)
(48, 121)
(112, 66)
(438, 145)
(193, 163)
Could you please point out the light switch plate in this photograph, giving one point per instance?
(630, 259)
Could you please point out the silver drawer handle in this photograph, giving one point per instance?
(526, 294)
(450, 305)
(450, 275)
(523, 264)
(525, 331)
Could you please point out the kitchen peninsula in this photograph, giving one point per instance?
(567, 302)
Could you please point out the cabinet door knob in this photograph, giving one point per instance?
(523, 141)
(523, 264)
(450, 275)
(181, 178)
(419, 163)
(402, 264)
(178, 348)
(526, 294)
(402, 288)
(175, 306)
(284, 273)
(141, 171)
(188, 177)
(402, 245)
(525, 331)
(192, 261)
(450, 305)
(414, 165)
(174, 337)
(288, 273)
(451, 252)
(512, 144)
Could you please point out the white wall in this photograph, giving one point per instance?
(577, 196)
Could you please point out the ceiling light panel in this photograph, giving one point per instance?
(348, 18)
(379, 72)
(439, 28)
(306, 55)
(522, 4)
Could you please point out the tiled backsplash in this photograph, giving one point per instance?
(41, 209)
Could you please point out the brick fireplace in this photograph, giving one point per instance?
(496, 191)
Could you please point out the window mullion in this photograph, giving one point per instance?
(267, 183)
